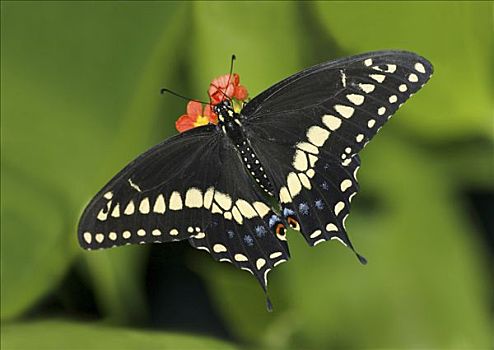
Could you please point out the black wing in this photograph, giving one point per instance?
(192, 186)
(309, 128)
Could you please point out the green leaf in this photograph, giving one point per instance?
(33, 257)
(59, 334)
(455, 36)
(77, 80)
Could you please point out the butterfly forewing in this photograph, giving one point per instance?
(144, 202)
(310, 127)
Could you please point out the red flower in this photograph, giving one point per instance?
(196, 116)
(224, 87)
(227, 86)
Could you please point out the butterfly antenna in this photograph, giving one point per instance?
(163, 90)
(230, 74)
(228, 82)
(231, 69)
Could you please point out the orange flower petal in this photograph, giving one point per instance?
(235, 80)
(213, 119)
(194, 108)
(208, 112)
(214, 94)
(184, 123)
(221, 81)
(220, 94)
(223, 87)
(241, 92)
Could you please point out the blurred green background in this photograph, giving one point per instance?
(80, 98)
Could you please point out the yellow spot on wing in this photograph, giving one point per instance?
(193, 198)
(159, 205)
(261, 208)
(175, 202)
(246, 209)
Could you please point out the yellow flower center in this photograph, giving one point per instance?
(201, 120)
(237, 105)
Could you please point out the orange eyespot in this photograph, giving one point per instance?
(280, 229)
(293, 223)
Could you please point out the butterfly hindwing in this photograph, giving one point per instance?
(242, 229)
(316, 193)
(310, 127)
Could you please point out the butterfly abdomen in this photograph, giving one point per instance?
(253, 165)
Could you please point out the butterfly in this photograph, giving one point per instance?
(289, 158)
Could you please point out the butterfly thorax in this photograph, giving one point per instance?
(229, 120)
(230, 123)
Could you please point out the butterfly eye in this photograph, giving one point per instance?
(280, 230)
(293, 223)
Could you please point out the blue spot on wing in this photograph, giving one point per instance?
(260, 231)
(287, 212)
(319, 204)
(303, 208)
(273, 220)
(249, 240)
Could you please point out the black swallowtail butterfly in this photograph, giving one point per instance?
(289, 158)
